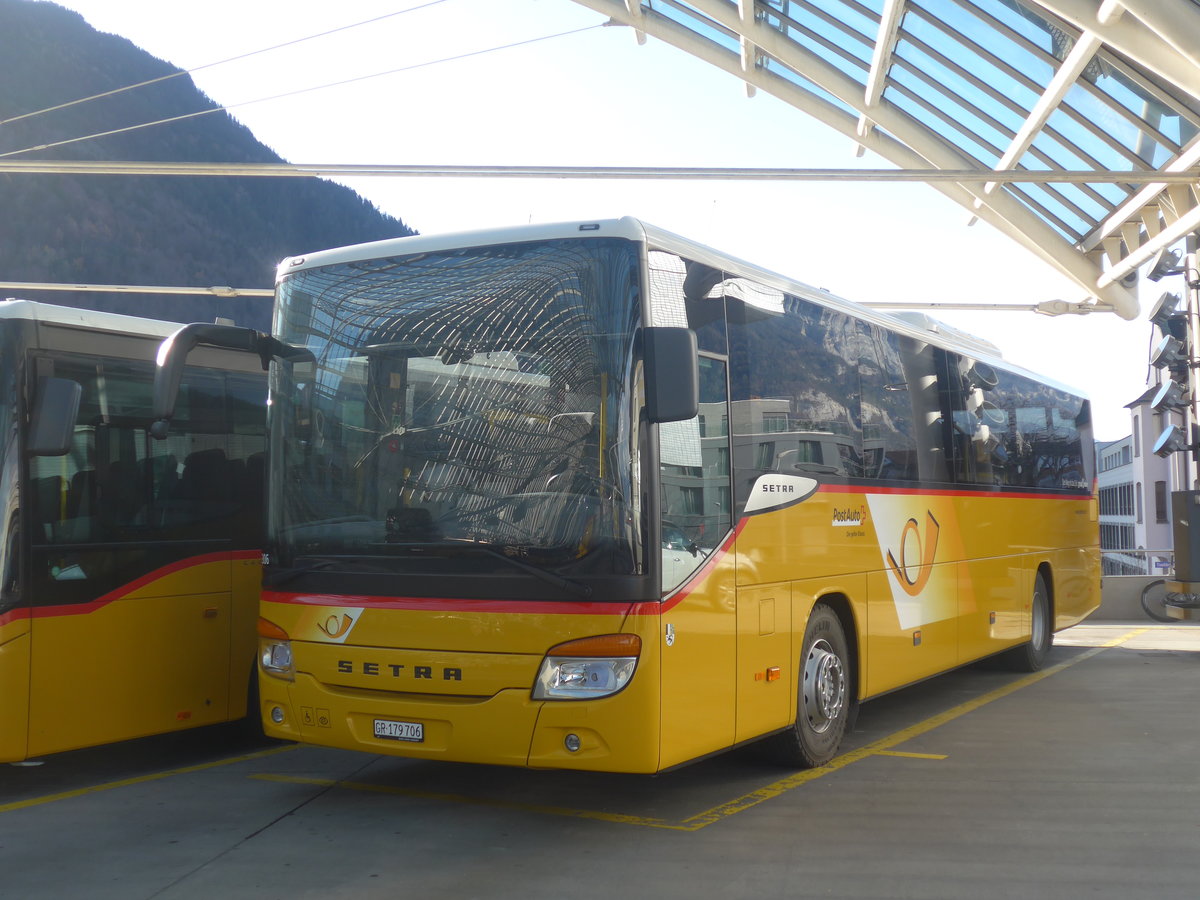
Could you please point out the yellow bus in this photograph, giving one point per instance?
(593, 496)
(129, 568)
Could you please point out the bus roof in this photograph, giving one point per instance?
(916, 325)
(89, 319)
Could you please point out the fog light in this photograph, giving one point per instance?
(572, 742)
(276, 715)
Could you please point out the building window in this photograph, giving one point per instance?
(775, 423)
(1160, 502)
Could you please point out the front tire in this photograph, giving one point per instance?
(824, 694)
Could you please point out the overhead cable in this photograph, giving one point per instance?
(658, 173)
(221, 62)
(358, 78)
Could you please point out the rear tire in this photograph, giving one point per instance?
(824, 697)
(250, 726)
(1031, 656)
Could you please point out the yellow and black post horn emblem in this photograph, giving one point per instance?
(926, 550)
(336, 626)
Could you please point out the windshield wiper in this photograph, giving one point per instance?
(315, 564)
(462, 549)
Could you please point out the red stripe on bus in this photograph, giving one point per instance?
(79, 609)
(14, 615)
(586, 607)
(455, 604)
(950, 492)
(699, 575)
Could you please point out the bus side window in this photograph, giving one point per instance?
(696, 502)
(891, 411)
(794, 390)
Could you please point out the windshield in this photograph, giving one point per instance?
(467, 412)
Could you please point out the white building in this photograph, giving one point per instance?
(1135, 496)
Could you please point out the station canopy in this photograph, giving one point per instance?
(1085, 113)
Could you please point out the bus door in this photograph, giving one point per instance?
(15, 622)
(699, 596)
(14, 649)
(130, 593)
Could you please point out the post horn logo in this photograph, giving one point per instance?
(336, 626)
(926, 550)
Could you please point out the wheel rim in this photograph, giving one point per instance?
(824, 686)
(1040, 625)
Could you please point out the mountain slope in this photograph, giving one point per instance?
(161, 230)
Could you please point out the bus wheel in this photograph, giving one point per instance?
(824, 696)
(1031, 656)
(250, 726)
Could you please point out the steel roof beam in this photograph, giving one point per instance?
(1077, 60)
(1134, 38)
(913, 146)
(881, 62)
(1174, 21)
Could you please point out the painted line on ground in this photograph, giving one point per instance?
(140, 779)
(903, 755)
(882, 747)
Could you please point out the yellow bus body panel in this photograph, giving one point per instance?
(924, 580)
(14, 686)
(699, 690)
(157, 656)
(465, 672)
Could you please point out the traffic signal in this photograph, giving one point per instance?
(1173, 356)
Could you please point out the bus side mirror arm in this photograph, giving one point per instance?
(672, 367)
(173, 354)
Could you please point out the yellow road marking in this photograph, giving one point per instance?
(881, 747)
(141, 779)
(878, 748)
(904, 755)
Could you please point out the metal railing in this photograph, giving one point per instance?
(1138, 562)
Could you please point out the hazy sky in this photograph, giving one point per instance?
(595, 97)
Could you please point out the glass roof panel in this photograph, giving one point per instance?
(983, 113)
(942, 124)
(1049, 209)
(996, 80)
(1116, 122)
(972, 34)
(829, 37)
(987, 84)
(694, 20)
(800, 81)
(1096, 202)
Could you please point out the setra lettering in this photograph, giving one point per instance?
(398, 670)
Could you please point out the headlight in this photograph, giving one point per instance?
(588, 668)
(275, 650)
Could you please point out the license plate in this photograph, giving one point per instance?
(400, 731)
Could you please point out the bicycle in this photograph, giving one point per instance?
(1154, 601)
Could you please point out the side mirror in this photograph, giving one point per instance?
(55, 409)
(672, 374)
(173, 353)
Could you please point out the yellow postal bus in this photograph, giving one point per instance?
(592, 496)
(129, 568)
